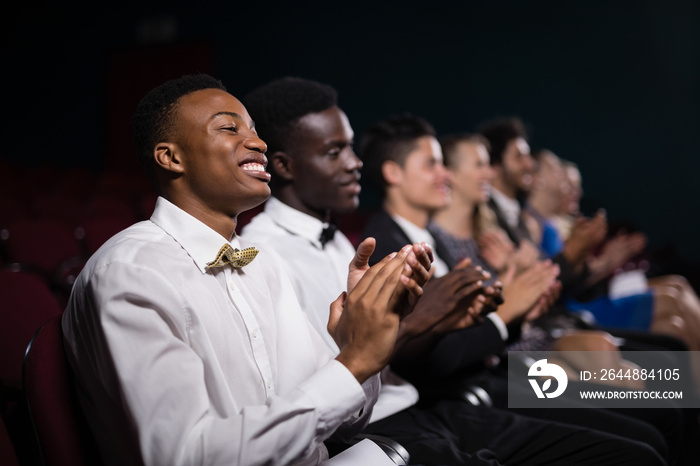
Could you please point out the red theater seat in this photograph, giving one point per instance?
(62, 433)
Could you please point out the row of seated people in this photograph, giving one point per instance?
(193, 362)
(617, 291)
(529, 208)
(402, 158)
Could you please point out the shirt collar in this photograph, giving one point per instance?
(295, 221)
(197, 239)
(509, 207)
(415, 233)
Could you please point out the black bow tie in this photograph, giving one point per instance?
(328, 233)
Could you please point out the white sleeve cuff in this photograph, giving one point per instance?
(500, 325)
(336, 393)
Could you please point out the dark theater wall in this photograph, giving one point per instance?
(612, 86)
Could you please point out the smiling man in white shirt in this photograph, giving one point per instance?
(181, 358)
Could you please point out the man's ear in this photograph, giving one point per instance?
(281, 164)
(168, 156)
(391, 172)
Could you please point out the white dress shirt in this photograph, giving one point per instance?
(319, 275)
(421, 235)
(178, 364)
(509, 207)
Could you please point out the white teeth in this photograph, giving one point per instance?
(253, 167)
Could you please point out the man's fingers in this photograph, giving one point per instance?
(509, 274)
(538, 272)
(363, 253)
(419, 261)
(383, 286)
(462, 277)
(495, 294)
(424, 254)
(463, 264)
(469, 290)
(412, 286)
(428, 251)
(377, 275)
(368, 276)
(336, 311)
(456, 279)
(479, 307)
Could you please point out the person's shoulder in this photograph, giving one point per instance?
(259, 228)
(379, 221)
(384, 229)
(267, 254)
(145, 234)
(260, 223)
(141, 260)
(264, 233)
(437, 231)
(137, 243)
(388, 235)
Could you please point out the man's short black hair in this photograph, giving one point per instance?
(499, 133)
(391, 139)
(154, 117)
(276, 106)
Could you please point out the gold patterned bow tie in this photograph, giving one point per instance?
(237, 258)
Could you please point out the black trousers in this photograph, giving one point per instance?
(456, 433)
(662, 429)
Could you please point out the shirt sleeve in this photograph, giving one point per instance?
(128, 338)
(360, 419)
(371, 387)
(500, 325)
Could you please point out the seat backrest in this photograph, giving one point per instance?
(42, 243)
(26, 304)
(98, 230)
(62, 433)
(59, 206)
(111, 207)
(8, 457)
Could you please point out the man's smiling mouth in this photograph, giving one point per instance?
(256, 167)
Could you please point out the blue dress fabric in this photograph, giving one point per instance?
(552, 243)
(633, 312)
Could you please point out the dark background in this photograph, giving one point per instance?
(612, 86)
